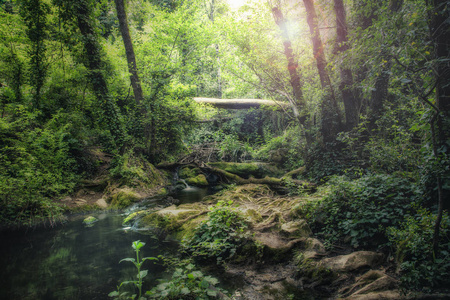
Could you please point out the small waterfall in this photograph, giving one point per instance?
(177, 180)
(185, 183)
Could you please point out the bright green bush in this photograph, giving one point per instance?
(36, 165)
(285, 149)
(421, 269)
(220, 236)
(187, 283)
(358, 212)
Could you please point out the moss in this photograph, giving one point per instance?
(310, 270)
(154, 220)
(124, 198)
(90, 220)
(134, 170)
(253, 215)
(199, 180)
(245, 170)
(133, 216)
(189, 172)
(162, 192)
(85, 208)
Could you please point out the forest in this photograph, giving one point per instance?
(249, 149)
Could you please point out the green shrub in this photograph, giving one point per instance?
(220, 236)
(285, 149)
(421, 269)
(36, 165)
(187, 283)
(358, 212)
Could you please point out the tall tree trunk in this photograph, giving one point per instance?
(292, 65)
(380, 92)
(94, 63)
(34, 13)
(331, 119)
(131, 58)
(440, 36)
(219, 70)
(346, 86)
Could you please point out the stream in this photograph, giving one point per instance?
(73, 261)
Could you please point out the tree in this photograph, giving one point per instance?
(211, 12)
(380, 91)
(331, 119)
(34, 13)
(440, 37)
(292, 65)
(129, 50)
(346, 86)
(81, 13)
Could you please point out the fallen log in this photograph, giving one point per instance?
(266, 180)
(241, 103)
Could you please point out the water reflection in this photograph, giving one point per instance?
(71, 261)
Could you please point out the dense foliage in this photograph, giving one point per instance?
(360, 211)
(220, 236)
(365, 85)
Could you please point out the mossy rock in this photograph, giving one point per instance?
(90, 220)
(180, 221)
(189, 172)
(124, 198)
(199, 180)
(296, 229)
(246, 170)
(134, 170)
(133, 216)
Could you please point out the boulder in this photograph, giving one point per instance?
(352, 261)
(90, 220)
(296, 229)
(123, 197)
(199, 180)
(374, 284)
(313, 248)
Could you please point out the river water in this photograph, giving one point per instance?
(72, 261)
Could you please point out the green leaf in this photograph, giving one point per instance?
(127, 259)
(204, 284)
(211, 293)
(211, 280)
(137, 245)
(149, 258)
(142, 274)
(113, 294)
(185, 291)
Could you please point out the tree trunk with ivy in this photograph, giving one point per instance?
(94, 63)
(346, 86)
(331, 118)
(34, 13)
(292, 65)
(129, 50)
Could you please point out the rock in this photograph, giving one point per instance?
(67, 199)
(199, 180)
(313, 248)
(372, 285)
(296, 229)
(275, 246)
(123, 197)
(352, 262)
(101, 203)
(90, 220)
(80, 201)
